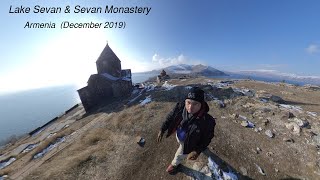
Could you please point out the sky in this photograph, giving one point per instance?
(230, 35)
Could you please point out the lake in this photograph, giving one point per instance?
(22, 112)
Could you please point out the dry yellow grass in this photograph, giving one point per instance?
(88, 158)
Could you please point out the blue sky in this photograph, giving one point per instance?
(228, 35)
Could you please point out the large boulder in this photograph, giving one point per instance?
(277, 99)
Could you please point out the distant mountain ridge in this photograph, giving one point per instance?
(262, 75)
(192, 69)
(281, 76)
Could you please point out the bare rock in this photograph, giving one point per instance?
(258, 129)
(276, 99)
(247, 124)
(288, 115)
(140, 140)
(287, 139)
(220, 103)
(269, 154)
(260, 170)
(234, 116)
(243, 171)
(244, 123)
(301, 123)
(269, 133)
(292, 126)
(316, 140)
(266, 110)
(265, 122)
(256, 151)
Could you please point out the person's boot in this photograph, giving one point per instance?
(171, 169)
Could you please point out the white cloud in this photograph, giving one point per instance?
(313, 49)
(169, 61)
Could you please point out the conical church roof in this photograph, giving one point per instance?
(106, 54)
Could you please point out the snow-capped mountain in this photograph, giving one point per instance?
(193, 69)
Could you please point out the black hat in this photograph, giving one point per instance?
(196, 94)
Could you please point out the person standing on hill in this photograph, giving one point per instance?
(193, 125)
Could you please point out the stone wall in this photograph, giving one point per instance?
(121, 88)
(88, 101)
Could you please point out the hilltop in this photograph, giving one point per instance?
(264, 131)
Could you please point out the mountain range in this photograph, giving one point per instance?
(264, 75)
(192, 69)
(280, 76)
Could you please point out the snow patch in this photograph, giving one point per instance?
(168, 86)
(6, 163)
(314, 114)
(4, 176)
(188, 87)
(150, 87)
(146, 101)
(218, 173)
(49, 148)
(291, 107)
(30, 147)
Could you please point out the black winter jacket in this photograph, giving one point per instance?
(199, 132)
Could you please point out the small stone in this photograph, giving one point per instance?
(255, 151)
(234, 116)
(311, 134)
(290, 115)
(140, 140)
(260, 170)
(293, 127)
(258, 129)
(287, 115)
(205, 170)
(197, 166)
(244, 123)
(276, 170)
(269, 154)
(243, 117)
(266, 110)
(265, 122)
(258, 149)
(287, 139)
(243, 171)
(301, 123)
(269, 133)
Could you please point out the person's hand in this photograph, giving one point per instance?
(193, 155)
(160, 135)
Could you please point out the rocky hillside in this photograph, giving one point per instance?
(264, 131)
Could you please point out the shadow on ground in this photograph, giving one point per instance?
(300, 103)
